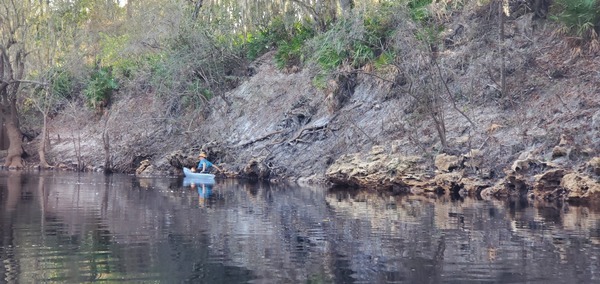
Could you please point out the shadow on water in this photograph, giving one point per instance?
(68, 227)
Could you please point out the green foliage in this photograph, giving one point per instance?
(206, 93)
(265, 39)
(331, 55)
(386, 58)
(40, 100)
(159, 72)
(290, 51)
(287, 53)
(361, 54)
(111, 48)
(289, 42)
(320, 81)
(99, 88)
(580, 17)
(62, 83)
(418, 10)
(256, 45)
(429, 34)
(112, 54)
(158, 66)
(195, 64)
(195, 94)
(381, 22)
(358, 41)
(126, 67)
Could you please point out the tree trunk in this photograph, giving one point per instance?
(197, 7)
(540, 8)
(437, 115)
(502, 48)
(129, 8)
(12, 70)
(77, 146)
(15, 137)
(346, 6)
(106, 143)
(43, 143)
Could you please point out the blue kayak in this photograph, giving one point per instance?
(187, 181)
(203, 176)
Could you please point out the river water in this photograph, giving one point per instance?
(69, 227)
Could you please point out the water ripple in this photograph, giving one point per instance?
(72, 228)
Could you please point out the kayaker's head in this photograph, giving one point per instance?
(202, 155)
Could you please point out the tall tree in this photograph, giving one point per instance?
(13, 53)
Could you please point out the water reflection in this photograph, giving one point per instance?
(85, 227)
(203, 186)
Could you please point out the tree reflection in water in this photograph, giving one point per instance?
(69, 227)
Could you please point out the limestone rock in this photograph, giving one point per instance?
(498, 189)
(448, 181)
(547, 186)
(179, 159)
(523, 165)
(516, 184)
(513, 184)
(549, 180)
(144, 168)
(256, 169)
(447, 163)
(376, 169)
(62, 166)
(456, 182)
(580, 187)
(473, 159)
(559, 151)
(474, 186)
(531, 166)
(565, 140)
(594, 166)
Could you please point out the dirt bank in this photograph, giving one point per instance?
(366, 130)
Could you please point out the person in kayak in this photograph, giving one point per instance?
(204, 165)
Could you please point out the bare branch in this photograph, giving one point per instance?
(450, 94)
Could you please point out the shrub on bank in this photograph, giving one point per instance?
(580, 18)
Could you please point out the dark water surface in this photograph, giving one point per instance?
(68, 227)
